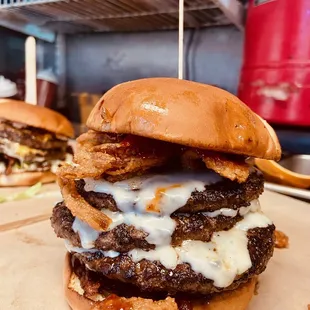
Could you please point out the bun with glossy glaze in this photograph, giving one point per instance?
(26, 178)
(35, 116)
(186, 113)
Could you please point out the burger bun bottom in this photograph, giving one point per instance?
(233, 300)
(26, 178)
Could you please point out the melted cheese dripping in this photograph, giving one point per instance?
(220, 260)
(87, 234)
(159, 228)
(147, 203)
(160, 194)
(18, 150)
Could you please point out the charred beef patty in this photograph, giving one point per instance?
(224, 194)
(124, 238)
(44, 155)
(30, 136)
(94, 283)
(26, 149)
(154, 277)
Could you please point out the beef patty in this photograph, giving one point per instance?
(94, 283)
(45, 155)
(124, 238)
(30, 136)
(224, 194)
(152, 276)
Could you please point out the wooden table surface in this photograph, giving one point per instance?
(32, 257)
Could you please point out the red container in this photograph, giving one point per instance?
(46, 92)
(46, 88)
(275, 78)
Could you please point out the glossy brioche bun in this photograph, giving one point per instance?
(233, 300)
(35, 116)
(26, 178)
(187, 113)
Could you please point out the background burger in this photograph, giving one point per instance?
(33, 142)
(161, 208)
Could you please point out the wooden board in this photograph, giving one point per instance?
(31, 269)
(37, 207)
(285, 285)
(31, 263)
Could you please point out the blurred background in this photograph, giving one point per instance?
(256, 49)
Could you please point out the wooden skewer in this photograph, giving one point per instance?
(31, 71)
(181, 37)
(25, 222)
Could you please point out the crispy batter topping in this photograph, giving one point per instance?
(107, 155)
(234, 170)
(114, 302)
(100, 154)
(80, 208)
(282, 241)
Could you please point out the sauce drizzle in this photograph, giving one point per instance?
(153, 206)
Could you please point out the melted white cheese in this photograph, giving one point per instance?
(166, 255)
(224, 211)
(147, 204)
(253, 207)
(87, 234)
(70, 248)
(221, 259)
(159, 228)
(19, 151)
(160, 194)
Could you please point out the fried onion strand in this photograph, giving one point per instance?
(80, 208)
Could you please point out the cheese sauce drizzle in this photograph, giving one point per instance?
(147, 203)
(159, 194)
(221, 259)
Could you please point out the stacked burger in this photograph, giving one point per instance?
(33, 142)
(161, 206)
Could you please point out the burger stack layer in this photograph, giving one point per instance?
(26, 149)
(33, 143)
(163, 223)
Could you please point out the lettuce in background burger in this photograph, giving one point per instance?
(161, 207)
(33, 142)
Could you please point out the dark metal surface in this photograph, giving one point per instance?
(122, 15)
(97, 62)
(297, 163)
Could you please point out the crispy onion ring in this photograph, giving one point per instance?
(234, 170)
(100, 155)
(80, 208)
(111, 156)
(228, 166)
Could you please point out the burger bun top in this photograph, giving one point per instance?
(187, 113)
(35, 116)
